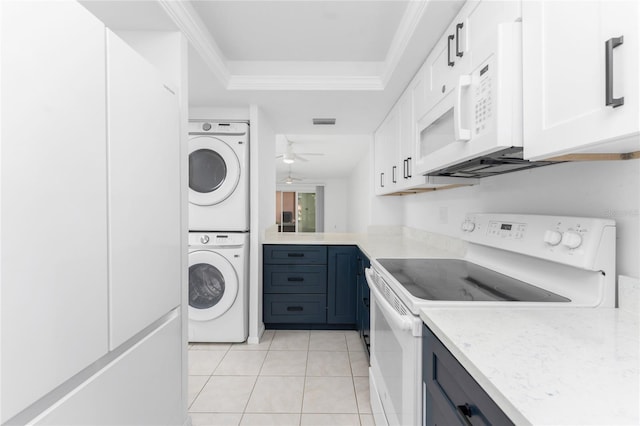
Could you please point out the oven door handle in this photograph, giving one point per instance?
(399, 321)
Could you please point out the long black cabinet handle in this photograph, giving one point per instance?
(404, 169)
(393, 174)
(409, 168)
(609, 45)
(458, 28)
(464, 412)
(381, 180)
(297, 279)
(295, 308)
(449, 39)
(295, 254)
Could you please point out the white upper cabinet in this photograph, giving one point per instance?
(407, 134)
(144, 193)
(449, 58)
(386, 141)
(53, 197)
(580, 77)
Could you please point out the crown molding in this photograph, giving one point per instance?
(188, 21)
(306, 83)
(408, 25)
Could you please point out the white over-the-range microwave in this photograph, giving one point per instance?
(476, 129)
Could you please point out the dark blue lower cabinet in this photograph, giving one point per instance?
(363, 314)
(341, 285)
(450, 395)
(310, 286)
(295, 308)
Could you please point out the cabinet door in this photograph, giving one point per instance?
(341, 285)
(406, 140)
(386, 154)
(53, 197)
(144, 193)
(564, 58)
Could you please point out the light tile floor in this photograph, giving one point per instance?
(302, 378)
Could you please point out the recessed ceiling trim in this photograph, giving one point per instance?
(293, 82)
(188, 21)
(408, 25)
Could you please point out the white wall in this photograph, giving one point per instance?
(359, 195)
(335, 205)
(262, 201)
(592, 189)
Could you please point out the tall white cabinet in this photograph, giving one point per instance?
(144, 190)
(89, 225)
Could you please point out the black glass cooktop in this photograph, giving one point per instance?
(459, 280)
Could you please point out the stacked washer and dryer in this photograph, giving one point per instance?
(218, 231)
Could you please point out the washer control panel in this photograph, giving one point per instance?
(570, 240)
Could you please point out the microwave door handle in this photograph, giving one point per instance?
(399, 321)
(461, 133)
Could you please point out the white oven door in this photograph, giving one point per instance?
(396, 359)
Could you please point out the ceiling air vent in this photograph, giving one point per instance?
(324, 121)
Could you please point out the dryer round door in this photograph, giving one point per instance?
(213, 285)
(214, 170)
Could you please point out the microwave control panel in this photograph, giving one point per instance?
(482, 97)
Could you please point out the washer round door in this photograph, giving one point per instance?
(213, 285)
(214, 170)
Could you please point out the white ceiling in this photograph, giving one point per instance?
(302, 31)
(298, 59)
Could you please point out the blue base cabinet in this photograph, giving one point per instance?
(310, 286)
(341, 285)
(450, 395)
(362, 302)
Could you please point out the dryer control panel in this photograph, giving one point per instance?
(218, 239)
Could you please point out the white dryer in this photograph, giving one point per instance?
(218, 290)
(218, 176)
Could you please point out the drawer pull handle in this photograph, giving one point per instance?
(295, 308)
(295, 254)
(464, 412)
(297, 279)
(449, 61)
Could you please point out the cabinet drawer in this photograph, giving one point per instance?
(295, 279)
(294, 254)
(452, 394)
(295, 308)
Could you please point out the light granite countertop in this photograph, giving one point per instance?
(549, 366)
(392, 242)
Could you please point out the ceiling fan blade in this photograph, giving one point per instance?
(297, 157)
(310, 153)
(279, 156)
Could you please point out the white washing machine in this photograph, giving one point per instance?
(218, 290)
(218, 176)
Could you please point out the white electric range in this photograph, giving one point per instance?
(511, 261)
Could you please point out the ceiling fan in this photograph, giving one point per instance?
(289, 156)
(290, 179)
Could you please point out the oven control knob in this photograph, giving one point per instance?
(571, 239)
(552, 238)
(468, 226)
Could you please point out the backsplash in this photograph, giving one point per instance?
(629, 294)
